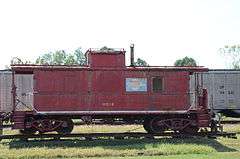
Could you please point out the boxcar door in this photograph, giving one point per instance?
(231, 90)
(219, 95)
(24, 84)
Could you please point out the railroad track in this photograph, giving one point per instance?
(121, 122)
(118, 135)
(230, 122)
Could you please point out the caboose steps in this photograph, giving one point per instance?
(18, 119)
(1, 126)
(203, 118)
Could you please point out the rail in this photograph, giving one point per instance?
(119, 135)
(230, 122)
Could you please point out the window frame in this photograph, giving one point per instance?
(162, 81)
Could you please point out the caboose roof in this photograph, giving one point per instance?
(106, 51)
(31, 68)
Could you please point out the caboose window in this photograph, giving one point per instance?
(157, 84)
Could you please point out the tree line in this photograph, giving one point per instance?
(77, 57)
(61, 57)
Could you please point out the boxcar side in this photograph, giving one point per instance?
(24, 91)
(223, 91)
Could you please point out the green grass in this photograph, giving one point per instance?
(226, 155)
(131, 148)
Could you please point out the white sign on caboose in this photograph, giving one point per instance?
(136, 84)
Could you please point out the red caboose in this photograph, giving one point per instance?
(162, 98)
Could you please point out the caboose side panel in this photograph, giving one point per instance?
(110, 90)
(60, 90)
(106, 90)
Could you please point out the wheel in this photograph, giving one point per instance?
(154, 125)
(146, 126)
(66, 127)
(1, 126)
(28, 131)
(190, 130)
(157, 126)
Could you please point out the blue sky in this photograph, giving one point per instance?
(162, 31)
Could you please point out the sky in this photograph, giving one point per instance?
(162, 30)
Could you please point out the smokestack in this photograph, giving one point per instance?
(132, 54)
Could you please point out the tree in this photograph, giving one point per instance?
(18, 60)
(186, 61)
(140, 62)
(60, 57)
(232, 54)
(80, 57)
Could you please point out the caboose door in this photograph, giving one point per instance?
(157, 91)
(169, 91)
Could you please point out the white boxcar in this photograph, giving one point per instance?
(24, 84)
(223, 91)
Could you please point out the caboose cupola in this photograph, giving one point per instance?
(106, 58)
